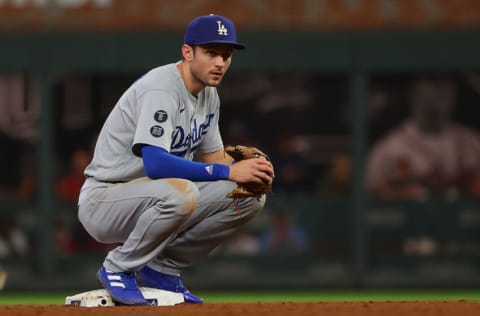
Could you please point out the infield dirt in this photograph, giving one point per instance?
(424, 308)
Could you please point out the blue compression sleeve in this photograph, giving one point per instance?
(158, 163)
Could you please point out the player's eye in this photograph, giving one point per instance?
(226, 55)
(212, 53)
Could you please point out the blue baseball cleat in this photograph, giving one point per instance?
(150, 278)
(122, 287)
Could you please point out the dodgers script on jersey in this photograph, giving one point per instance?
(156, 110)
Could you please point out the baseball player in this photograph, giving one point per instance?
(143, 187)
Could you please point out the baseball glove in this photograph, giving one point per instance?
(252, 189)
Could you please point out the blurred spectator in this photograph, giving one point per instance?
(19, 107)
(428, 153)
(69, 184)
(64, 240)
(242, 243)
(292, 169)
(284, 236)
(337, 178)
(70, 237)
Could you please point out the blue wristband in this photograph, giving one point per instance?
(222, 172)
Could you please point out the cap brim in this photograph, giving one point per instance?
(234, 44)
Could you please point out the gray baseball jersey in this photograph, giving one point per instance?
(167, 224)
(156, 110)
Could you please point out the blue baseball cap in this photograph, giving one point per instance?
(209, 29)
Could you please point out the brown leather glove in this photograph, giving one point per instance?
(253, 189)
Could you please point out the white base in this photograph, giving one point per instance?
(101, 297)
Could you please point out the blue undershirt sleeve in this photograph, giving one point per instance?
(158, 163)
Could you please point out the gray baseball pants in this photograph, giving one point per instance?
(167, 224)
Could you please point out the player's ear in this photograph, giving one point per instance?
(187, 52)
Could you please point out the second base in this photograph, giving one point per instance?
(101, 297)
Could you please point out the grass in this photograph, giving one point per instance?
(280, 296)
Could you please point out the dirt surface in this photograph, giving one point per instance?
(461, 308)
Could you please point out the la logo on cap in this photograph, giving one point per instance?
(211, 29)
(222, 30)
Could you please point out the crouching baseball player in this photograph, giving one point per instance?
(143, 188)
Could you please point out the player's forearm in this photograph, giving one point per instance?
(158, 163)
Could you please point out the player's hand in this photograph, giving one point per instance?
(256, 170)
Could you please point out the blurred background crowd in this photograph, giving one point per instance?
(420, 174)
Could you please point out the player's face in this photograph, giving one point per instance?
(210, 63)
